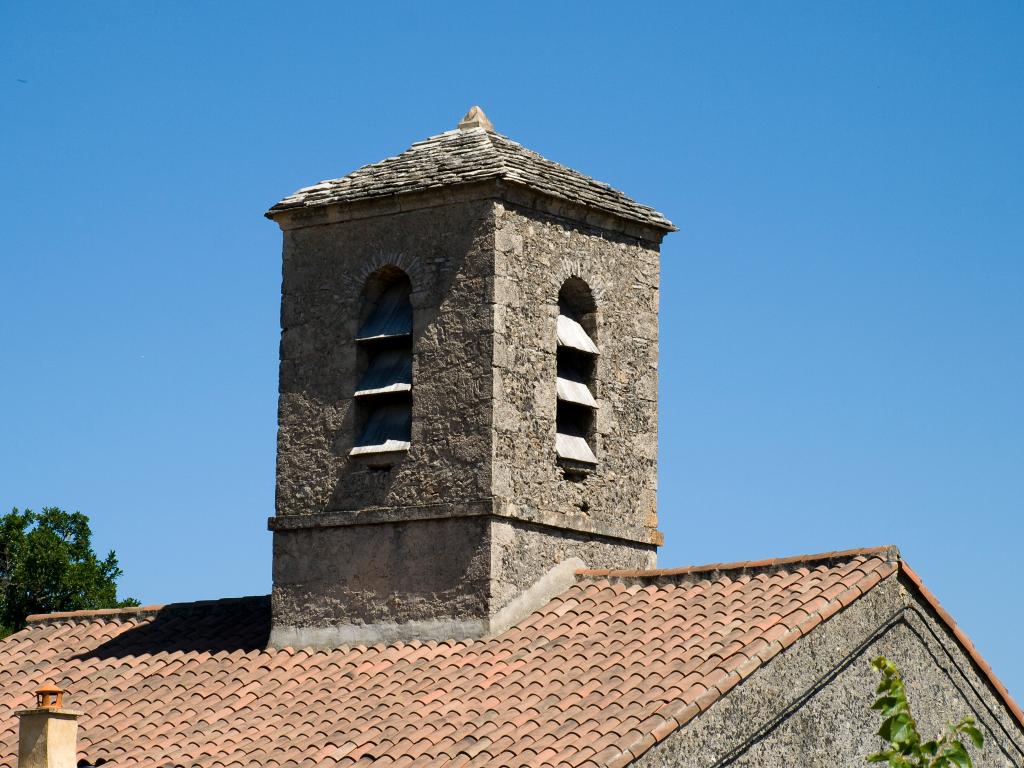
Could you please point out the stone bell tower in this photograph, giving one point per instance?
(468, 391)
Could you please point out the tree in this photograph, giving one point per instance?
(47, 564)
(906, 750)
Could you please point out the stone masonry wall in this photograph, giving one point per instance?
(535, 255)
(447, 252)
(478, 510)
(427, 570)
(520, 552)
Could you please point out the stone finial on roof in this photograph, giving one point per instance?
(475, 118)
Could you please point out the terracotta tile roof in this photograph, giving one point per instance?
(465, 157)
(598, 676)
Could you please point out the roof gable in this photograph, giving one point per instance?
(466, 156)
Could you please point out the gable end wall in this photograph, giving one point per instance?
(810, 705)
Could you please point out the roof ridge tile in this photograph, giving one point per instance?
(138, 611)
(104, 613)
(603, 577)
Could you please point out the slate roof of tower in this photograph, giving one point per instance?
(595, 678)
(465, 156)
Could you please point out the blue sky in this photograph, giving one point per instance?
(843, 308)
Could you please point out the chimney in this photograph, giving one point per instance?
(48, 734)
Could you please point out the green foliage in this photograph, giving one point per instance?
(906, 749)
(47, 564)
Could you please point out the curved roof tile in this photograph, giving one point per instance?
(595, 678)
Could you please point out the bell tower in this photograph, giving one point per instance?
(468, 391)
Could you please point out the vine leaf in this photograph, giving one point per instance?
(906, 750)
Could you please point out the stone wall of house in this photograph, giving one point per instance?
(535, 255)
(810, 706)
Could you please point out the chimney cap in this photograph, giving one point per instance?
(475, 118)
(49, 696)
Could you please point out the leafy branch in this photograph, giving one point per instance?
(906, 749)
(47, 563)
